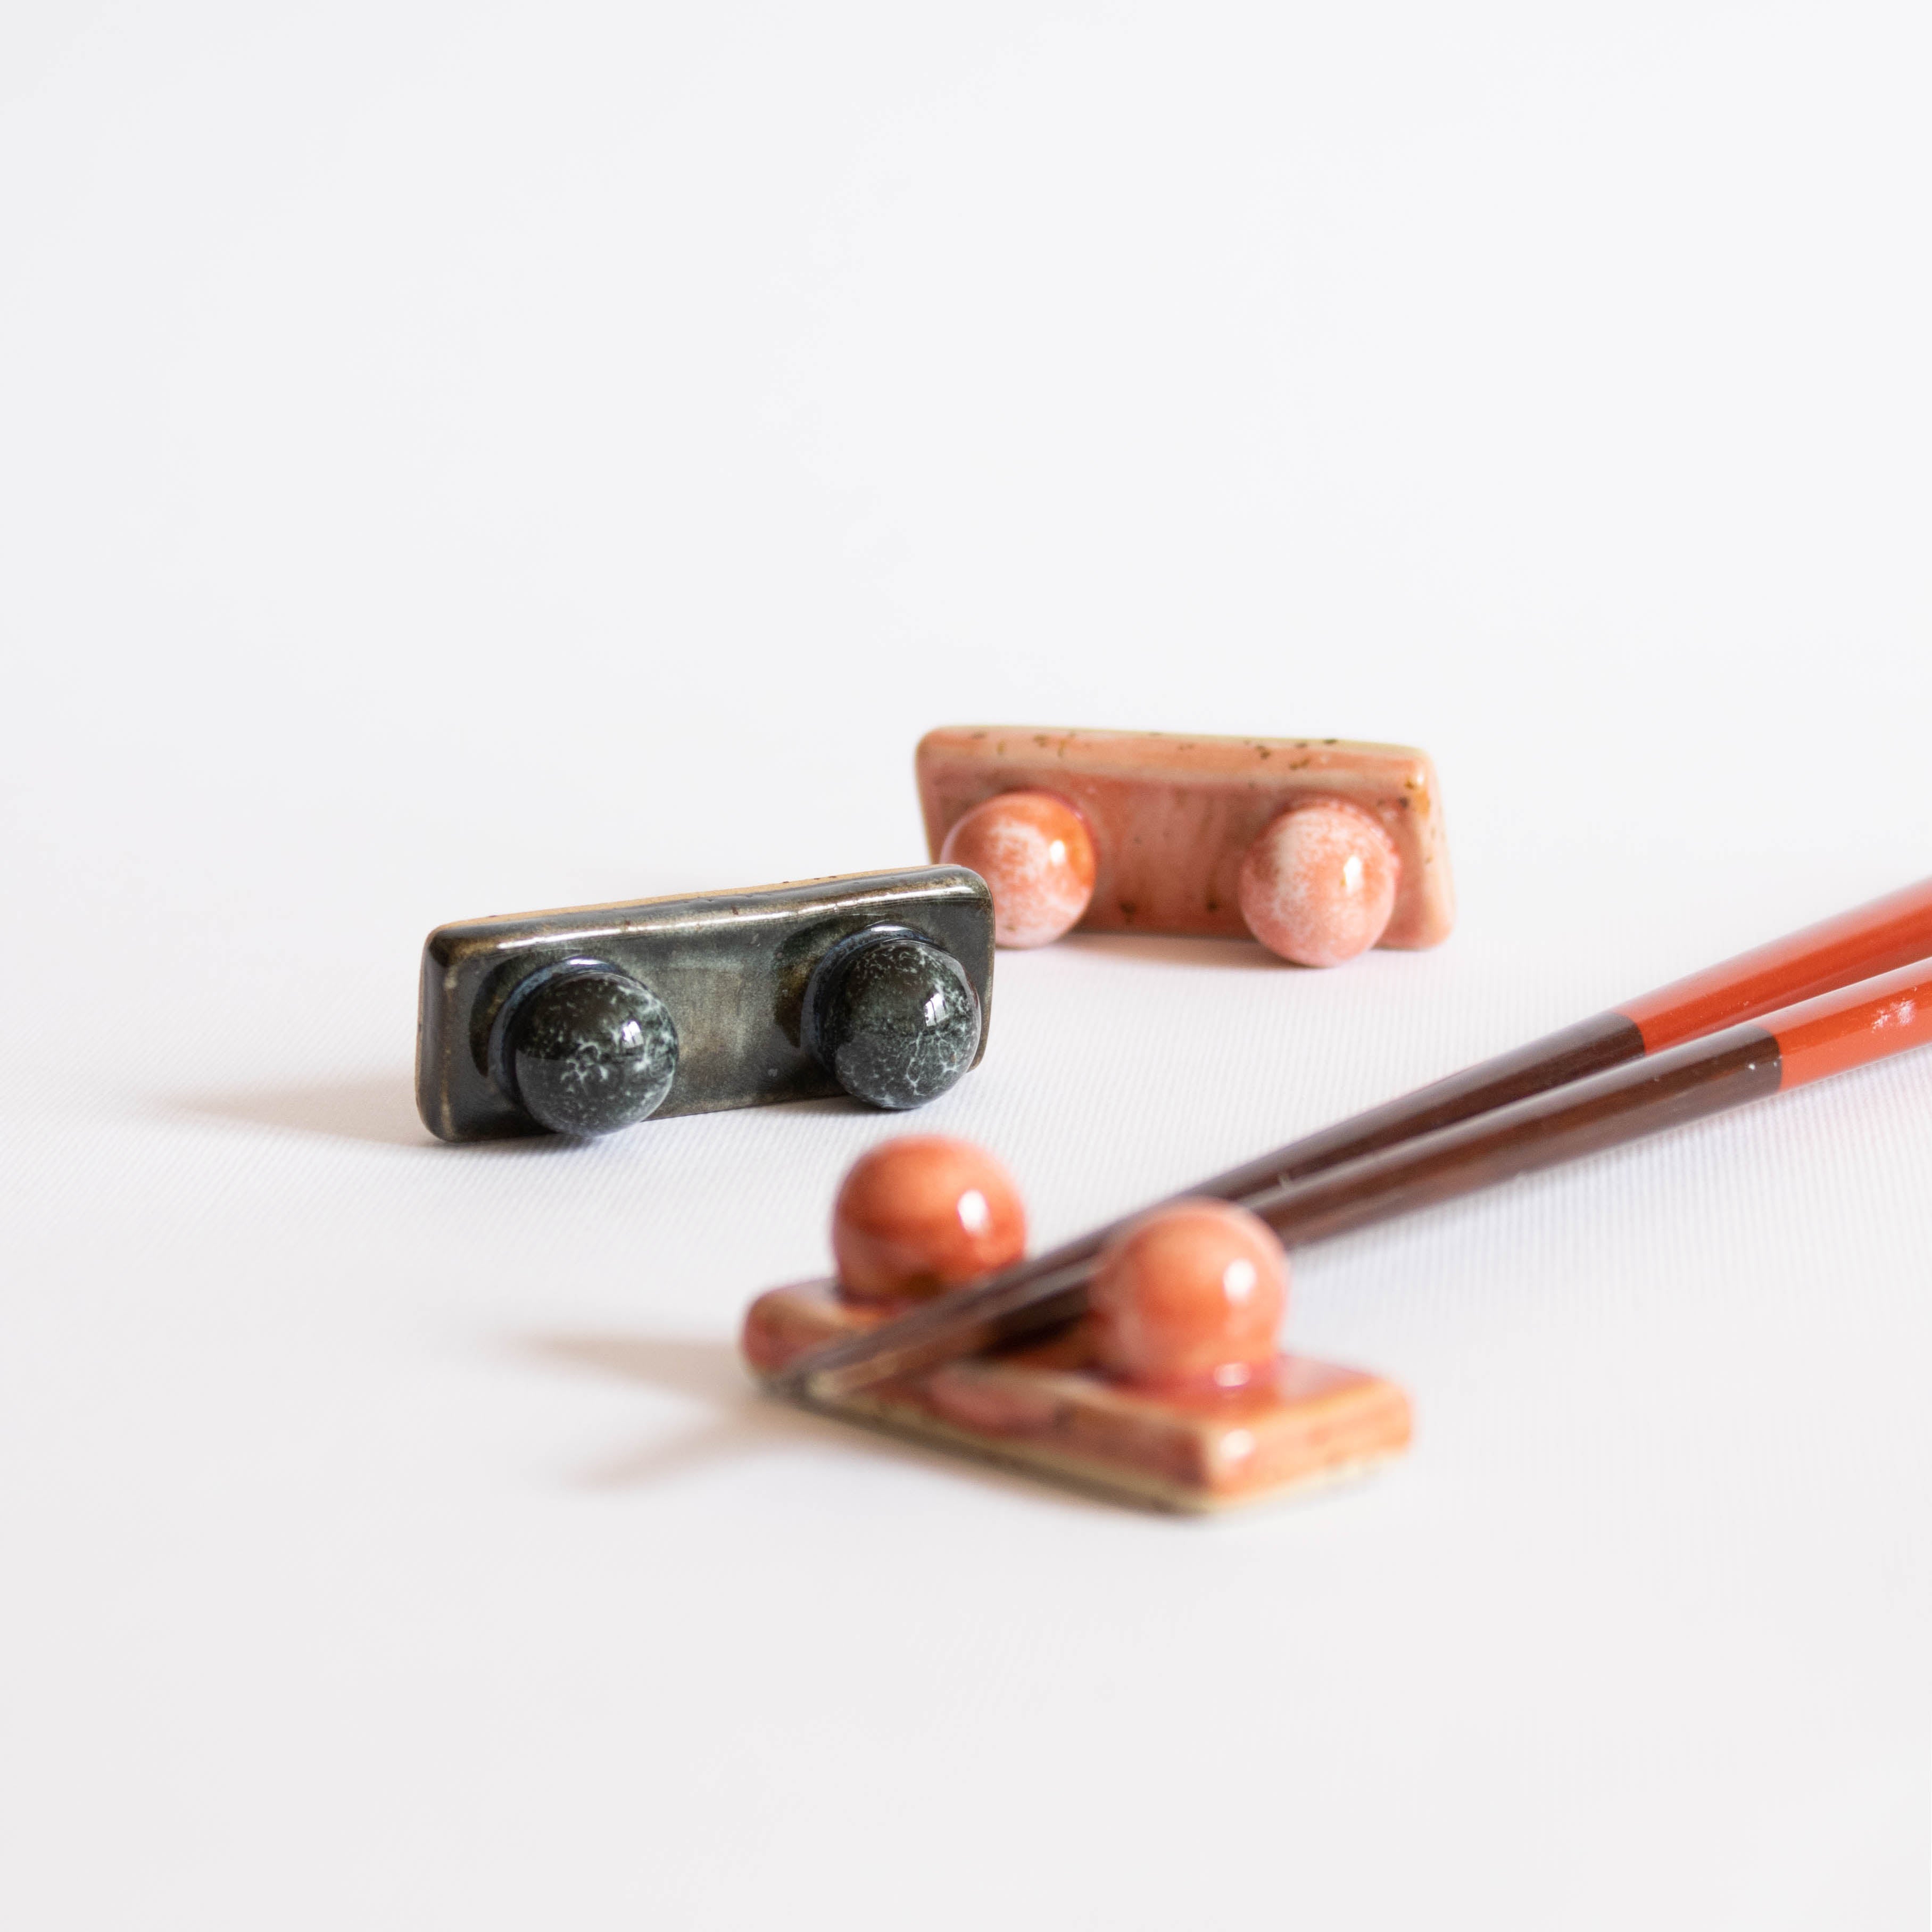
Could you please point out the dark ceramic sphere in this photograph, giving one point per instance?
(893, 1018)
(590, 1051)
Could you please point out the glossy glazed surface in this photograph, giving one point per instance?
(1172, 818)
(922, 1213)
(1035, 852)
(893, 1018)
(1879, 937)
(1191, 1295)
(1319, 883)
(1051, 1410)
(731, 967)
(588, 1050)
(1872, 1020)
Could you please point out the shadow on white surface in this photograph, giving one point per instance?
(381, 1110)
(745, 1420)
(707, 1372)
(1243, 955)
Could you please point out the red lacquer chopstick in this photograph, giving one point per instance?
(1870, 1020)
(1655, 1081)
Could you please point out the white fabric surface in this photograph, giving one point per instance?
(457, 461)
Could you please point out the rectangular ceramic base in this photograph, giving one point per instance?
(1045, 1410)
(731, 966)
(1172, 816)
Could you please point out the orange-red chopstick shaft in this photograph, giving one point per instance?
(1872, 938)
(1853, 1026)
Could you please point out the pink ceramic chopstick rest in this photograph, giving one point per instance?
(1319, 848)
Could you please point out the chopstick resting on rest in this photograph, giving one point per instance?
(1647, 1065)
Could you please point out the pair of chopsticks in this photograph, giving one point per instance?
(1851, 990)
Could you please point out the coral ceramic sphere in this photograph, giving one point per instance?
(922, 1214)
(1190, 1296)
(1034, 851)
(1319, 885)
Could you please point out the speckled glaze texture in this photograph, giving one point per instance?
(731, 970)
(1051, 1410)
(1035, 853)
(893, 1018)
(1318, 886)
(1172, 818)
(922, 1213)
(1190, 1296)
(588, 1050)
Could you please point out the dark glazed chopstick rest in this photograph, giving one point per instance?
(877, 984)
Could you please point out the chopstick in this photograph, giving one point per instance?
(1686, 1050)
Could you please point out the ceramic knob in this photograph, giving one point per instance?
(1319, 885)
(583, 1049)
(891, 1016)
(1036, 854)
(921, 1214)
(1190, 1296)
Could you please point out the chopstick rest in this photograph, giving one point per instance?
(877, 984)
(1319, 848)
(1171, 1391)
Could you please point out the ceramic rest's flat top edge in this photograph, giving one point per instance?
(970, 740)
(925, 884)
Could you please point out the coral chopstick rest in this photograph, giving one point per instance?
(1190, 1296)
(921, 1214)
(1052, 1410)
(1171, 1392)
(1319, 848)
